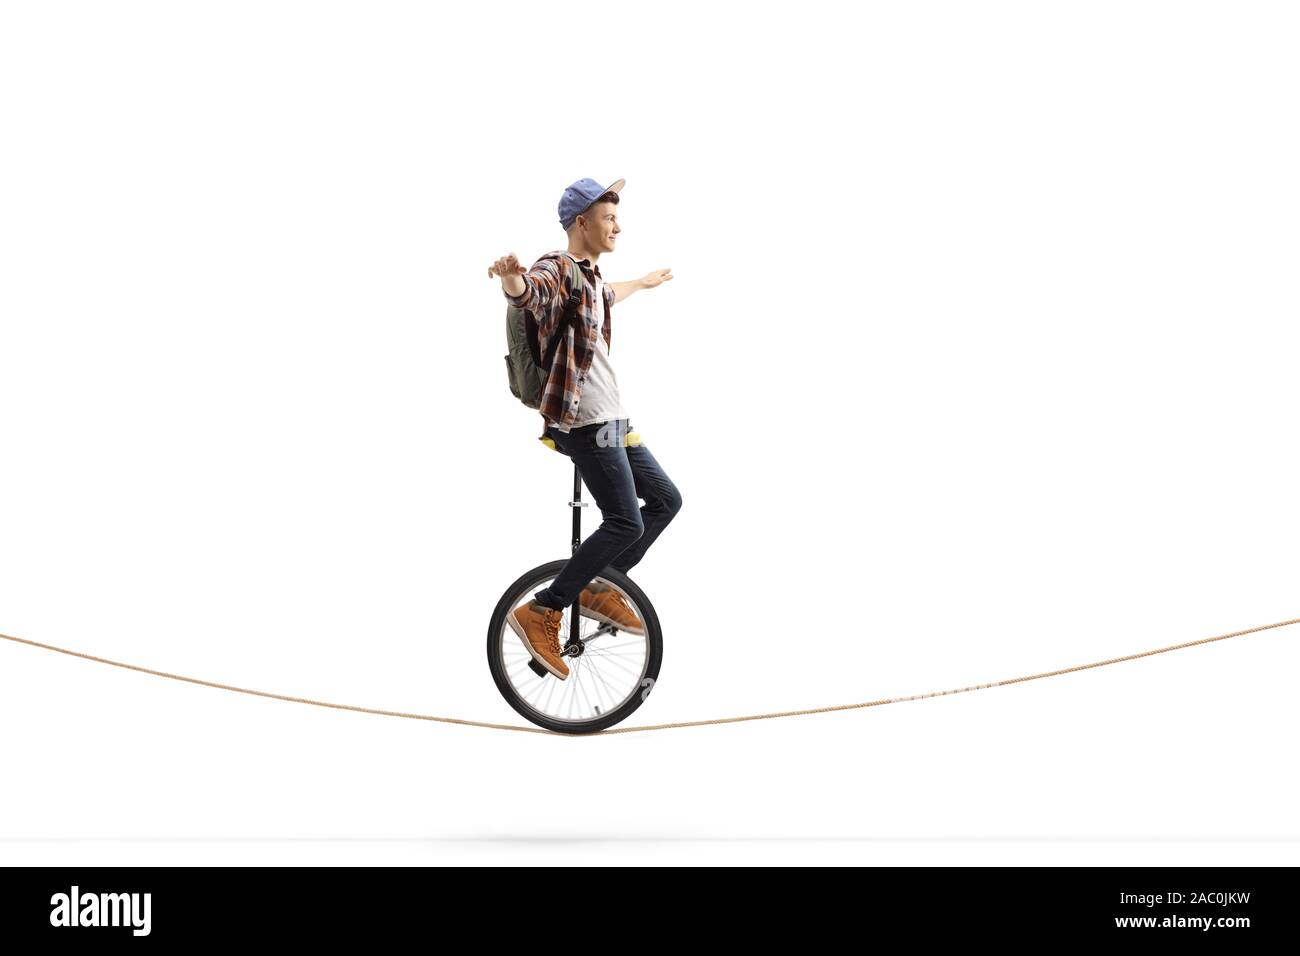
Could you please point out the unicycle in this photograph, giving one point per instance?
(611, 671)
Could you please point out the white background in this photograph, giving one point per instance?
(979, 361)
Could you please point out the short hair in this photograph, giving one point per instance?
(610, 196)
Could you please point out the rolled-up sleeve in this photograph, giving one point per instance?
(541, 284)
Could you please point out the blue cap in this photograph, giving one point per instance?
(578, 197)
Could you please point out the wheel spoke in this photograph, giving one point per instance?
(605, 672)
(627, 665)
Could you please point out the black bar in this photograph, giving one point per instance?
(865, 907)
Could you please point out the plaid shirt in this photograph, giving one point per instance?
(546, 291)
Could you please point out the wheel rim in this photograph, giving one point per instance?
(609, 671)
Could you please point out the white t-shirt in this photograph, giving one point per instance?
(598, 399)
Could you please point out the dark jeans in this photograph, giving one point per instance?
(615, 475)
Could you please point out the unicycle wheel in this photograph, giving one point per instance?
(611, 670)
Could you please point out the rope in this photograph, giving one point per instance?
(629, 730)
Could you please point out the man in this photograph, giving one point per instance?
(584, 417)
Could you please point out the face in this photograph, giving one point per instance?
(600, 226)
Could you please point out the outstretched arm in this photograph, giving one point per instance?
(624, 289)
(530, 289)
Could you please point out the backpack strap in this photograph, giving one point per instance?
(573, 271)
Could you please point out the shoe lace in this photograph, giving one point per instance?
(551, 621)
(624, 603)
(616, 596)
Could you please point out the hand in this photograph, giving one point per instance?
(653, 279)
(506, 266)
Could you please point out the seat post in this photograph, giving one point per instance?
(577, 504)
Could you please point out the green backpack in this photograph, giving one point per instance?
(528, 361)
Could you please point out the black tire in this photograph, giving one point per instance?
(499, 631)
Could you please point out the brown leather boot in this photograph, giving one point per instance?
(609, 607)
(539, 628)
